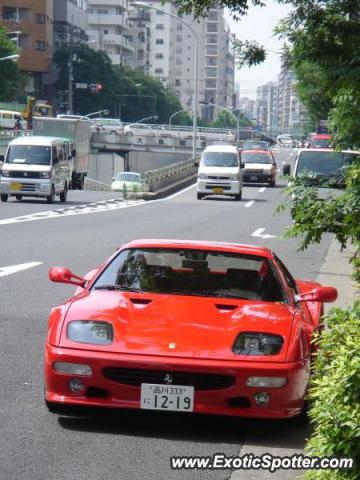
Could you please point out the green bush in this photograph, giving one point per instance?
(335, 393)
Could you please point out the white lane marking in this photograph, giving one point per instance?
(262, 189)
(102, 206)
(179, 193)
(17, 268)
(259, 233)
(248, 204)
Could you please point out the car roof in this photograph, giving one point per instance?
(321, 135)
(326, 150)
(36, 140)
(130, 173)
(221, 148)
(257, 151)
(199, 245)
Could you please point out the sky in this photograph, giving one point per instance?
(258, 25)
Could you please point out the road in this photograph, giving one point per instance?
(34, 443)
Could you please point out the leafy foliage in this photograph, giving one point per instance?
(9, 72)
(226, 119)
(249, 53)
(335, 392)
(126, 92)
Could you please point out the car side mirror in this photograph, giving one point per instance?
(64, 275)
(320, 294)
(196, 164)
(242, 165)
(286, 169)
(2, 158)
(113, 179)
(73, 152)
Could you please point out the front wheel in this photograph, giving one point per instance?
(4, 197)
(50, 198)
(200, 196)
(238, 197)
(63, 194)
(18, 197)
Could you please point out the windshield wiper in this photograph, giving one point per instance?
(119, 287)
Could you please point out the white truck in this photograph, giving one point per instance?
(77, 132)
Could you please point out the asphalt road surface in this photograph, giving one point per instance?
(35, 444)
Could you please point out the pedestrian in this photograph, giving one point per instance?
(17, 126)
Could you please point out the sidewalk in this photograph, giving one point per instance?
(336, 272)
(288, 440)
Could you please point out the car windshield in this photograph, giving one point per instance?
(193, 272)
(248, 157)
(320, 142)
(127, 177)
(324, 164)
(219, 159)
(26, 154)
(256, 146)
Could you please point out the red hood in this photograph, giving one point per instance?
(197, 326)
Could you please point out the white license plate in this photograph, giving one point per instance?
(167, 397)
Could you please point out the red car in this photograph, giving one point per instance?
(186, 326)
(320, 140)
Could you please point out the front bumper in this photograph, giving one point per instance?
(255, 177)
(32, 187)
(219, 187)
(236, 400)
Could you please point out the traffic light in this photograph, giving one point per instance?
(95, 87)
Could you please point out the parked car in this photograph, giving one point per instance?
(219, 172)
(130, 181)
(260, 166)
(9, 118)
(204, 327)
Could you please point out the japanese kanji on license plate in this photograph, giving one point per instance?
(167, 397)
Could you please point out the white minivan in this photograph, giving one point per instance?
(220, 172)
(35, 167)
(8, 119)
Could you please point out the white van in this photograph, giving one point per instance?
(9, 117)
(220, 172)
(35, 167)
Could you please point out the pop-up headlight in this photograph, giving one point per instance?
(90, 331)
(254, 343)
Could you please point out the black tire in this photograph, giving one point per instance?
(63, 194)
(200, 196)
(18, 197)
(238, 197)
(82, 183)
(4, 197)
(50, 198)
(302, 420)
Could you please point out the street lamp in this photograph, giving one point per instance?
(14, 58)
(230, 110)
(147, 5)
(176, 113)
(152, 117)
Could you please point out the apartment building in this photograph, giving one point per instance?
(167, 48)
(248, 107)
(30, 22)
(70, 21)
(108, 27)
(266, 107)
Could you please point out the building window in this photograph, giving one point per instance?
(159, 55)
(179, 27)
(159, 41)
(106, 32)
(179, 51)
(159, 70)
(40, 45)
(158, 12)
(179, 38)
(178, 61)
(15, 14)
(40, 18)
(177, 82)
(160, 26)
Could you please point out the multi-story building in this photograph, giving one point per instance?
(248, 107)
(31, 24)
(266, 107)
(70, 21)
(292, 114)
(167, 46)
(108, 27)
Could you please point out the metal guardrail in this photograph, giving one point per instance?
(152, 176)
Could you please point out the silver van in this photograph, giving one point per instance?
(36, 167)
(8, 119)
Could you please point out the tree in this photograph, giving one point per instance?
(224, 119)
(9, 71)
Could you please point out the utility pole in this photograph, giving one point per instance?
(71, 72)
